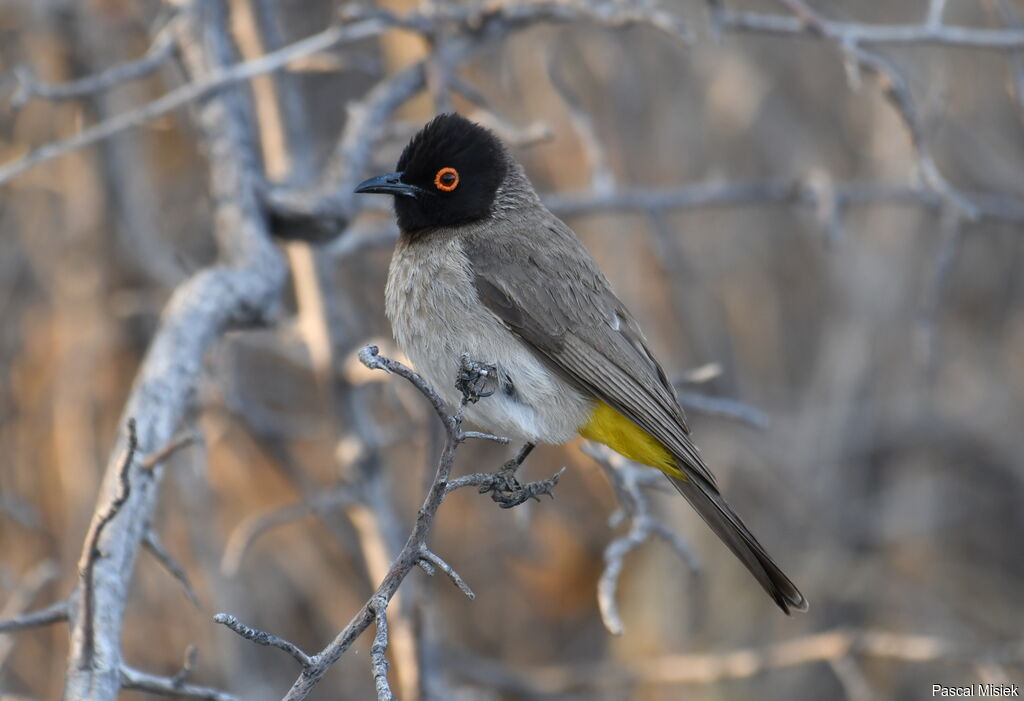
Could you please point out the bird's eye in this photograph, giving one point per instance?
(447, 179)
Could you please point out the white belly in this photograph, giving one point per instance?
(436, 316)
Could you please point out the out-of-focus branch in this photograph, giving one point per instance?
(414, 553)
(332, 198)
(155, 547)
(744, 663)
(246, 532)
(179, 441)
(724, 407)
(12, 616)
(487, 20)
(785, 192)
(628, 479)
(602, 179)
(197, 89)
(160, 51)
(242, 289)
(859, 33)
(851, 43)
(54, 613)
(176, 686)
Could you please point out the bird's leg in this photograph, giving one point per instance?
(507, 481)
(509, 468)
(507, 491)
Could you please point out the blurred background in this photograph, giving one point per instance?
(866, 329)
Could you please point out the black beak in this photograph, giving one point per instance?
(388, 184)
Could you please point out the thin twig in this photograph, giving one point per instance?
(782, 192)
(859, 33)
(628, 479)
(414, 552)
(471, 20)
(724, 407)
(851, 678)
(262, 638)
(56, 612)
(251, 528)
(12, 616)
(138, 680)
(191, 92)
(742, 663)
(435, 560)
(160, 51)
(178, 442)
(152, 543)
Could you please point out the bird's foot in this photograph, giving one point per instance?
(507, 491)
(476, 380)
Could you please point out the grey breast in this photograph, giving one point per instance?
(436, 316)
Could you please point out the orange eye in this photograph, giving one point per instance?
(447, 179)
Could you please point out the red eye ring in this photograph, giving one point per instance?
(447, 179)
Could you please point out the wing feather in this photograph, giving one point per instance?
(556, 300)
(559, 303)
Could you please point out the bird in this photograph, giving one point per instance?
(482, 269)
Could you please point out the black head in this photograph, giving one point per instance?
(447, 175)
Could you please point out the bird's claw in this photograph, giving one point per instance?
(476, 380)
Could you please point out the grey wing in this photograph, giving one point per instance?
(556, 299)
(560, 304)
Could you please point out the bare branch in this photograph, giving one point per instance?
(18, 510)
(172, 686)
(333, 197)
(436, 561)
(724, 407)
(379, 649)
(607, 586)
(251, 528)
(628, 479)
(784, 192)
(737, 664)
(951, 231)
(12, 617)
(471, 20)
(857, 33)
(190, 92)
(176, 443)
(152, 543)
(848, 672)
(1011, 18)
(91, 552)
(602, 178)
(54, 613)
(466, 435)
(473, 379)
(261, 638)
(243, 289)
(160, 51)
(511, 134)
(371, 358)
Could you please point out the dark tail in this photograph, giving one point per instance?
(728, 526)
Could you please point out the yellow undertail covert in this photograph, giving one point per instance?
(626, 438)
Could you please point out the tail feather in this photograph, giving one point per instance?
(727, 525)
